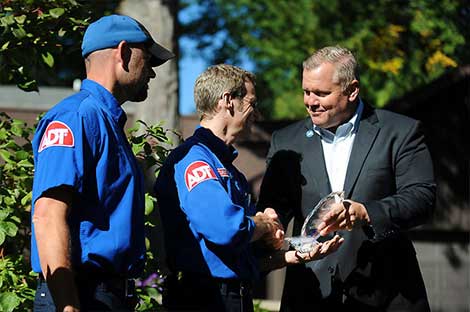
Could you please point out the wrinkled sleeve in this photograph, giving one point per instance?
(207, 205)
(58, 153)
(414, 200)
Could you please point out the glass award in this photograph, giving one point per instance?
(309, 233)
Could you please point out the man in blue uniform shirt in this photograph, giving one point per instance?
(207, 216)
(88, 194)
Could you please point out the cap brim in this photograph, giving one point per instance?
(159, 54)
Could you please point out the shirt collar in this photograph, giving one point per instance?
(226, 153)
(106, 99)
(343, 130)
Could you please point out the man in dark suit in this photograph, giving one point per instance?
(381, 162)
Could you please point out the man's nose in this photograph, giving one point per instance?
(311, 99)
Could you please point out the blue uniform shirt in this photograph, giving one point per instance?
(205, 206)
(81, 143)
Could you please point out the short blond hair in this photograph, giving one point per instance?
(214, 82)
(346, 67)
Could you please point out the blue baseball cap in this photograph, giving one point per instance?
(109, 31)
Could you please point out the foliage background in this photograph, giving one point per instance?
(40, 40)
(17, 283)
(400, 44)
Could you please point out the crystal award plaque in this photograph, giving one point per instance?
(309, 233)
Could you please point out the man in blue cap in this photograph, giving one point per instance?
(88, 195)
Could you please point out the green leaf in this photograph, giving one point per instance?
(28, 86)
(61, 32)
(7, 20)
(3, 134)
(48, 59)
(25, 163)
(56, 12)
(2, 240)
(20, 19)
(5, 155)
(3, 214)
(19, 32)
(26, 198)
(149, 204)
(17, 130)
(21, 155)
(9, 301)
(9, 228)
(5, 46)
(16, 219)
(9, 144)
(152, 292)
(9, 201)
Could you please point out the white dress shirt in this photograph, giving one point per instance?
(337, 148)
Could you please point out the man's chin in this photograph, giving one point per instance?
(319, 122)
(140, 97)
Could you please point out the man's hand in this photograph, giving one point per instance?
(344, 216)
(281, 258)
(318, 252)
(268, 228)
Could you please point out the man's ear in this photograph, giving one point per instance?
(124, 53)
(227, 100)
(353, 90)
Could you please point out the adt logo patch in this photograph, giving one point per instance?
(198, 172)
(57, 134)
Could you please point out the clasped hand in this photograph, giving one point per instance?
(344, 216)
(274, 233)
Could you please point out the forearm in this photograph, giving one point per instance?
(402, 211)
(53, 242)
(273, 261)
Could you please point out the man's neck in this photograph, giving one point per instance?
(218, 128)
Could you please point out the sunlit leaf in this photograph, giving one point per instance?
(28, 86)
(5, 154)
(7, 20)
(61, 32)
(18, 32)
(56, 12)
(5, 46)
(20, 19)
(149, 204)
(2, 240)
(9, 301)
(48, 59)
(9, 228)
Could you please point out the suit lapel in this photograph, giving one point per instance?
(363, 142)
(314, 161)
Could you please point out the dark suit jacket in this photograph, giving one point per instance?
(390, 172)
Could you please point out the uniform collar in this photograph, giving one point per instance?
(226, 153)
(106, 99)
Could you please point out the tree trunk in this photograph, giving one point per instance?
(160, 19)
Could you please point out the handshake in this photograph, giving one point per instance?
(270, 233)
(333, 213)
